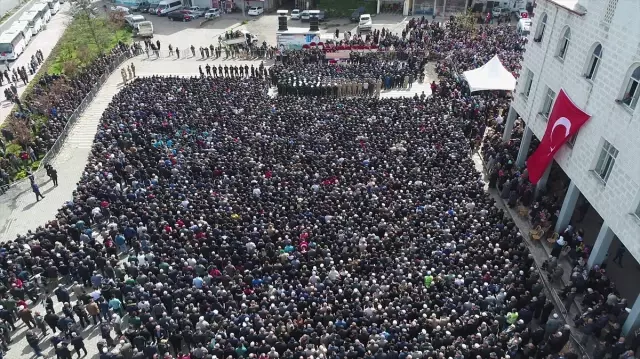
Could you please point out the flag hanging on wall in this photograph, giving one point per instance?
(565, 120)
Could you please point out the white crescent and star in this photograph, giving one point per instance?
(564, 122)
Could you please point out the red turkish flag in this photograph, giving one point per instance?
(564, 121)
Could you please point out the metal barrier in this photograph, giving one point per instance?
(73, 118)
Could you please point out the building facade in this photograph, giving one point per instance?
(591, 49)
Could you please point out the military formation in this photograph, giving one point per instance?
(296, 86)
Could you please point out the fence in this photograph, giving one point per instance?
(73, 118)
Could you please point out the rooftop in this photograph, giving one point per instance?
(571, 5)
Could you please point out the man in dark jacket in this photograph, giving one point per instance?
(78, 344)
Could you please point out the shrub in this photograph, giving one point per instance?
(14, 148)
(20, 175)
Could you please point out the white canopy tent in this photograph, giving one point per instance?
(490, 76)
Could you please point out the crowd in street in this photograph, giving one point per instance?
(213, 221)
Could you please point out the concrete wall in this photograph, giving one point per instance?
(8, 5)
(618, 199)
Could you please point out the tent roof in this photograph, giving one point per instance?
(490, 76)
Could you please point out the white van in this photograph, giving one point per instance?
(43, 9)
(34, 20)
(24, 27)
(143, 29)
(524, 27)
(167, 6)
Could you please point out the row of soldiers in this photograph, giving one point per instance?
(339, 88)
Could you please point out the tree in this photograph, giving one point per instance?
(468, 21)
(21, 131)
(85, 17)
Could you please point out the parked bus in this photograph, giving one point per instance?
(11, 45)
(24, 27)
(34, 19)
(54, 6)
(43, 9)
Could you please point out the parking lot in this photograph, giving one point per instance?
(199, 33)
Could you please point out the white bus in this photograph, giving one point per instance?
(24, 27)
(11, 45)
(34, 19)
(54, 6)
(43, 9)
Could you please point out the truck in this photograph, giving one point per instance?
(237, 37)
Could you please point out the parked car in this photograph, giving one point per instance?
(179, 16)
(255, 11)
(321, 16)
(136, 6)
(197, 11)
(355, 16)
(295, 14)
(304, 16)
(499, 11)
(153, 9)
(212, 13)
(365, 23)
(144, 7)
(122, 9)
(132, 20)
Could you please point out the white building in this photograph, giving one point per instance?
(591, 49)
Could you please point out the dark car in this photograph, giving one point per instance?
(143, 7)
(152, 8)
(322, 16)
(355, 16)
(179, 16)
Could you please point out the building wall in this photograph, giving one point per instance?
(618, 199)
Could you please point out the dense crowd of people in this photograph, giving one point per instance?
(54, 97)
(215, 221)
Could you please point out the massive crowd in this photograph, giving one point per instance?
(290, 227)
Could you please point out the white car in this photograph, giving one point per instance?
(365, 23)
(212, 13)
(295, 14)
(255, 11)
(196, 11)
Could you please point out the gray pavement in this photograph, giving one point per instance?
(44, 41)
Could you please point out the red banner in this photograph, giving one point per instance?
(564, 121)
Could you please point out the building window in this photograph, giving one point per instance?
(564, 44)
(547, 103)
(611, 10)
(606, 161)
(541, 27)
(528, 81)
(594, 63)
(632, 92)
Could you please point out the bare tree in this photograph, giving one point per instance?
(21, 131)
(85, 15)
